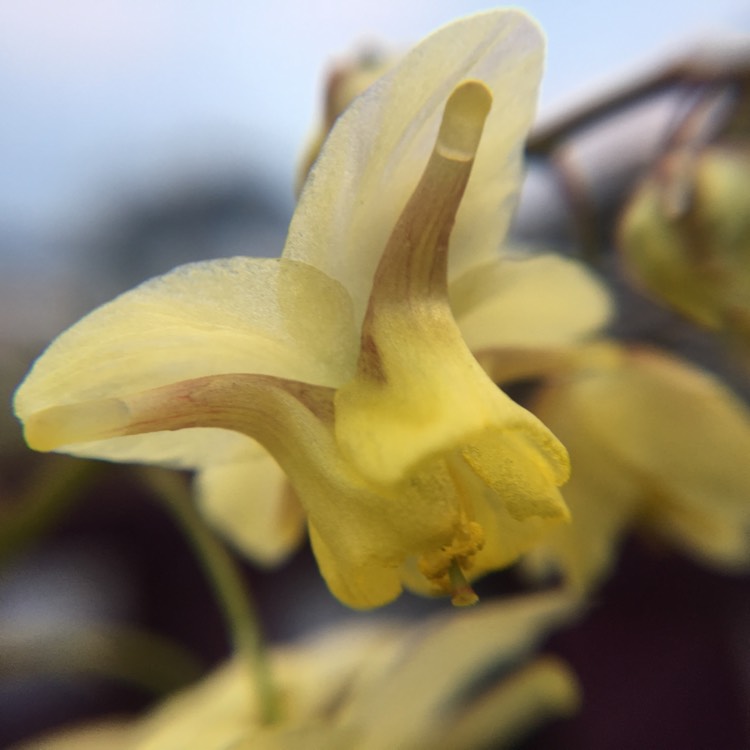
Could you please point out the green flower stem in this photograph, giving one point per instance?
(239, 610)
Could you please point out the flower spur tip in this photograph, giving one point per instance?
(52, 428)
(463, 121)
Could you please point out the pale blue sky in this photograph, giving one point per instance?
(107, 95)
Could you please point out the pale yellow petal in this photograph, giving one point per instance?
(221, 711)
(361, 531)
(240, 315)
(691, 439)
(252, 504)
(375, 154)
(531, 696)
(530, 301)
(717, 536)
(435, 397)
(419, 697)
(506, 537)
(358, 586)
(373, 686)
(603, 495)
(513, 521)
(652, 441)
(213, 714)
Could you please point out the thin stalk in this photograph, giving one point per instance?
(237, 606)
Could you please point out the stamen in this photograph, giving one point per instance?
(444, 567)
(462, 594)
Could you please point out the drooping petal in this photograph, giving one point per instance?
(653, 442)
(365, 528)
(361, 586)
(505, 487)
(239, 315)
(375, 154)
(362, 531)
(523, 504)
(689, 437)
(603, 495)
(437, 398)
(426, 686)
(533, 694)
(251, 502)
(530, 301)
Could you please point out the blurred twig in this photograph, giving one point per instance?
(56, 484)
(114, 652)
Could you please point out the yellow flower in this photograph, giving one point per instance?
(343, 358)
(656, 444)
(371, 687)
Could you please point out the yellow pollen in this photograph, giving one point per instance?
(444, 567)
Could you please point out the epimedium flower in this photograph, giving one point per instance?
(521, 302)
(659, 446)
(343, 358)
(458, 680)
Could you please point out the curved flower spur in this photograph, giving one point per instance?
(342, 358)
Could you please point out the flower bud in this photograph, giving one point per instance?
(685, 236)
(346, 80)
